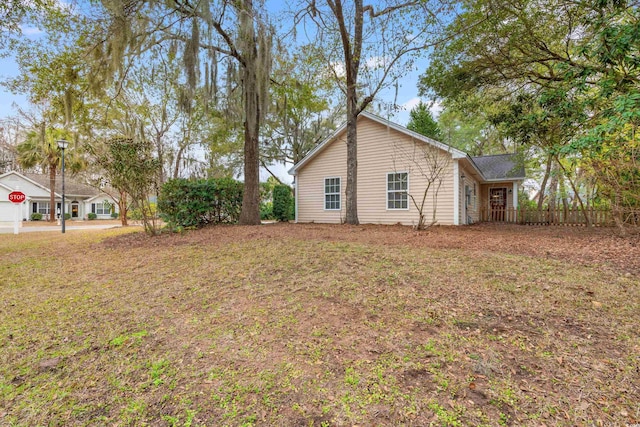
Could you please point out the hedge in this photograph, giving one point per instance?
(282, 202)
(195, 203)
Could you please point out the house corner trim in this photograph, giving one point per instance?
(456, 192)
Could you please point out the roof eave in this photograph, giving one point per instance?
(455, 153)
(506, 179)
(311, 154)
(27, 179)
(102, 194)
(474, 166)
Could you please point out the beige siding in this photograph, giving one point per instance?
(330, 163)
(471, 210)
(381, 150)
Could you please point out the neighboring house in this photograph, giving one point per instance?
(80, 199)
(396, 165)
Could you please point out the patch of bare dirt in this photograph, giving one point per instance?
(309, 324)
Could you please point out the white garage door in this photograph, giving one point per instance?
(6, 212)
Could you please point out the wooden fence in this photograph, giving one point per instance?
(560, 216)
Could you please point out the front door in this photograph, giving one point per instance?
(498, 203)
(74, 210)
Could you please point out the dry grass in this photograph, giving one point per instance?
(317, 326)
(72, 223)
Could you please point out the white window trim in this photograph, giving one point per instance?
(386, 193)
(456, 193)
(325, 194)
(296, 180)
(43, 204)
(102, 204)
(475, 197)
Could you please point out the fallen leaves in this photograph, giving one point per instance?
(474, 325)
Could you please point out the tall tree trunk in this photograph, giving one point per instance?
(577, 195)
(352, 47)
(352, 168)
(563, 195)
(553, 191)
(176, 168)
(124, 211)
(52, 194)
(543, 185)
(160, 149)
(250, 213)
(616, 213)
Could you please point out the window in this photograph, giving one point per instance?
(43, 208)
(101, 208)
(467, 198)
(332, 194)
(474, 197)
(397, 187)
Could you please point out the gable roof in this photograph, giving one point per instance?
(18, 174)
(72, 187)
(500, 167)
(365, 114)
(490, 168)
(101, 196)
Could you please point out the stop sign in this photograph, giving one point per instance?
(17, 197)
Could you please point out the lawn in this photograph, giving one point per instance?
(317, 325)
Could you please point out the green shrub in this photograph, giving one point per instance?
(91, 216)
(67, 216)
(266, 210)
(36, 216)
(282, 202)
(136, 214)
(114, 215)
(292, 209)
(195, 203)
(525, 203)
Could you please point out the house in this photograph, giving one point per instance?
(80, 199)
(395, 166)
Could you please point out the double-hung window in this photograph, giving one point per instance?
(103, 208)
(332, 194)
(44, 208)
(397, 188)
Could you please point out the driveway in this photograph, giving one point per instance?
(8, 229)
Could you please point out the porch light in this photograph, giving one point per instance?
(62, 144)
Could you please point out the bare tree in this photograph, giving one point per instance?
(9, 134)
(367, 49)
(432, 164)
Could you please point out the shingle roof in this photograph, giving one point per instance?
(500, 166)
(72, 187)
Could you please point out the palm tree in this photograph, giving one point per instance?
(40, 148)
